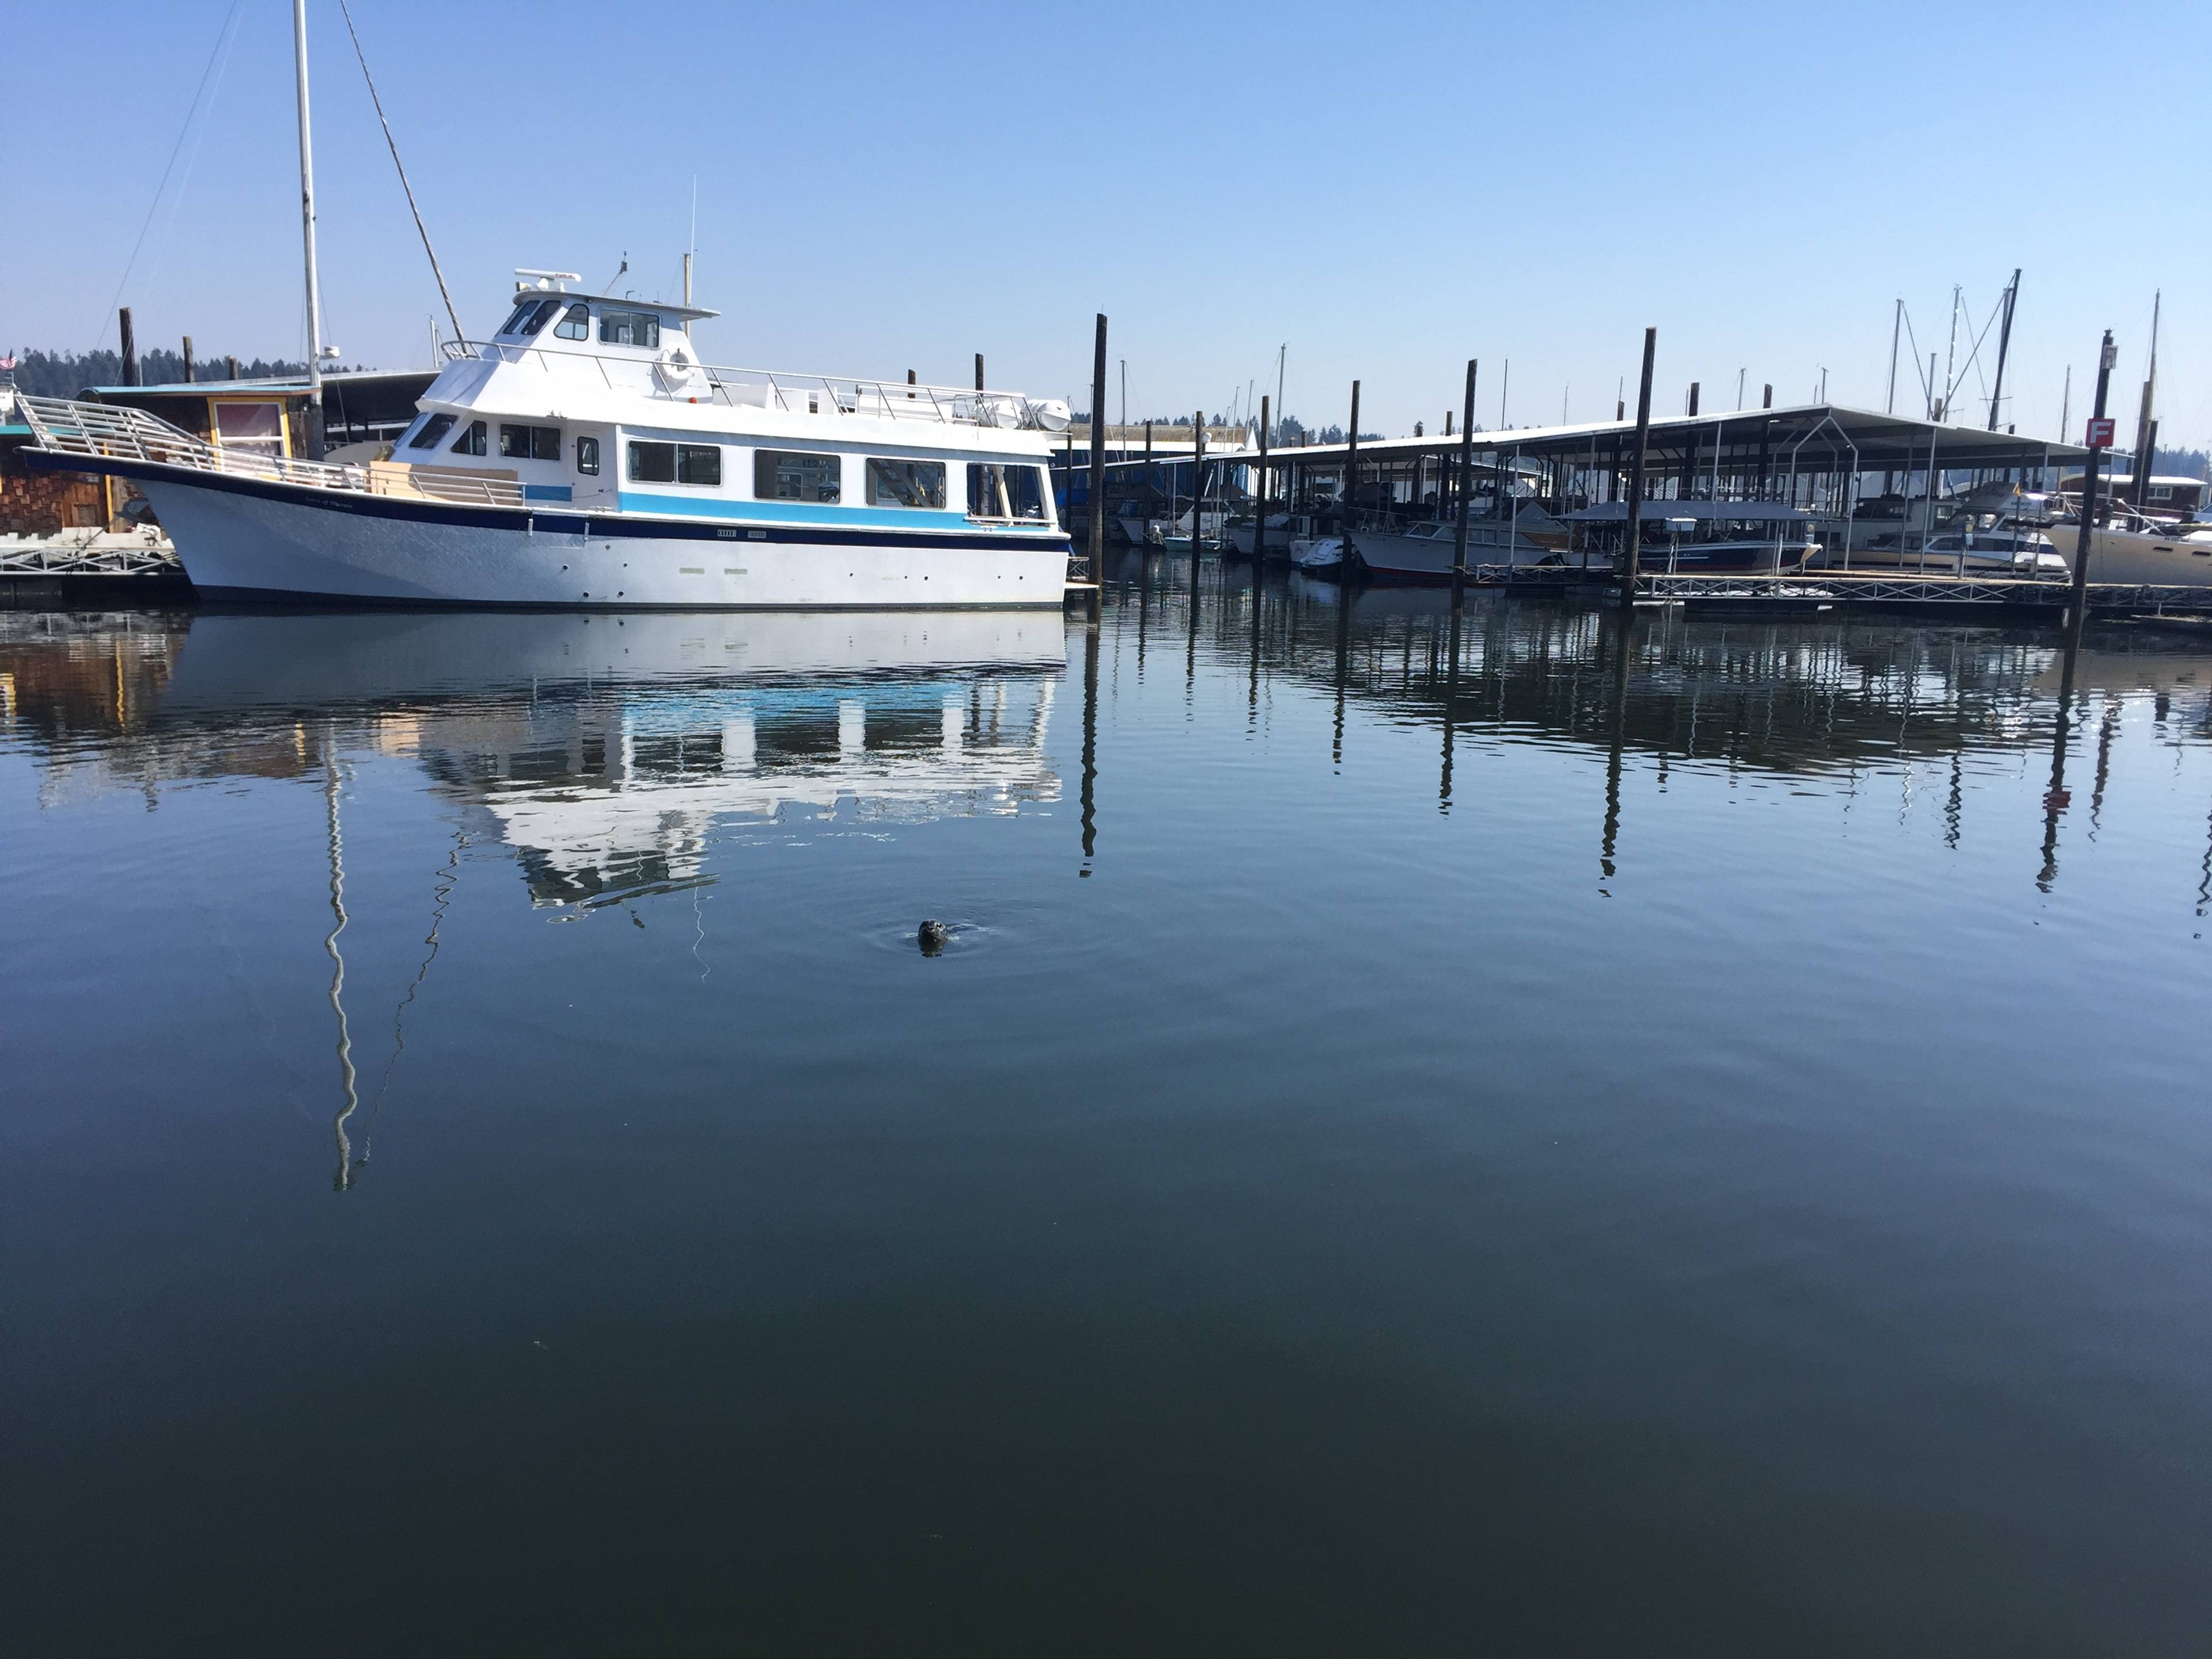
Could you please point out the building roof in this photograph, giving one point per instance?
(376, 396)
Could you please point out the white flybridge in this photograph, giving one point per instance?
(585, 456)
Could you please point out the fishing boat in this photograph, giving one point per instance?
(585, 455)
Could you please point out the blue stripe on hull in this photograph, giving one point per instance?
(609, 527)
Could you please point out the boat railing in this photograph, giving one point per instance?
(114, 432)
(677, 376)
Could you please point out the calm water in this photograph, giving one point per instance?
(1699, 1149)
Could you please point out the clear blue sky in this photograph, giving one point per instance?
(1389, 189)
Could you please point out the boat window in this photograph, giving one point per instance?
(651, 463)
(542, 316)
(471, 441)
(783, 475)
(905, 483)
(521, 313)
(631, 328)
(698, 464)
(587, 456)
(433, 429)
(529, 443)
(999, 491)
(575, 323)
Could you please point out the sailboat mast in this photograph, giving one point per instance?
(308, 237)
(2144, 427)
(2004, 346)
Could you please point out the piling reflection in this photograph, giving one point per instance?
(1810, 697)
(606, 758)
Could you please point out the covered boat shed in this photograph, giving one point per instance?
(1822, 457)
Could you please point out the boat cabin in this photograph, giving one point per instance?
(601, 403)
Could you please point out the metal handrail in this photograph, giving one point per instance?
(113, 431)
(844, 394)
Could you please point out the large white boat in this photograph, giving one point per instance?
(2135, 550)
(586, 456)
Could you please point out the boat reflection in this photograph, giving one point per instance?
(601, 750)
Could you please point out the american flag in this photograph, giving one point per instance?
(6, 363)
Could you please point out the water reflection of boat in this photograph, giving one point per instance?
(614, 794)
(246, 660)
(603, 749)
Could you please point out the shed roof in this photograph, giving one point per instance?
(1824, 435)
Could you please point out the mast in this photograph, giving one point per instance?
(1896, 322)
(308, 237)
(2004, 345)
(1950, 360)
(1282, 359)
(2144, 445)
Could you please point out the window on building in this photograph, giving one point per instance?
(783, 475)
(473, 440)
(587, 457)
(651, 462)
(905, 483)
(258, 426)
(996, 490)
(433, 429)
(698, 464)
(529, 443)
(631, 328)
(576, 323)
(2159, 492)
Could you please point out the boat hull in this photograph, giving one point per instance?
(242, 540)
(1405, 558)
(2178, 560)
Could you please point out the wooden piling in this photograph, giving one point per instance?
(1197, 505)
(1351, 474)
(1466, 490)
(1632, 525)
(191, 373)
(2090, 469)
(129, 347)
(1097, 463)
(1260, 518)
(230, 366)
(979, 371)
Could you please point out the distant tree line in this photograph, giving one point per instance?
(65, 373)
